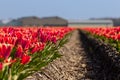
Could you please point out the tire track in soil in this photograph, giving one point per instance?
(75, 64)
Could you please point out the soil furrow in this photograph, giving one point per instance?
(75, 64)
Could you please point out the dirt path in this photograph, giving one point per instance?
(73, 65)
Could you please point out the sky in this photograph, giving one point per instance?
(68, 9)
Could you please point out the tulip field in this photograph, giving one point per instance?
(60, 53)
(23, 51)
(103, 44)
(108, 35)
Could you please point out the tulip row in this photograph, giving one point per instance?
(23, 51)
(109, 35)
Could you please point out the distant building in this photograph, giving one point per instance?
(35, 21)
(30, 21)
(90, 23)
(54, 21)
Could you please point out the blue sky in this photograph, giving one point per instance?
(69, 9)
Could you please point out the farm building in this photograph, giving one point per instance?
(30, 21)
(54, 21)
(35, 21)
(94, 23)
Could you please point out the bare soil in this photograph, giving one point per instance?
(75, 64)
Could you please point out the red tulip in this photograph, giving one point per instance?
(25, 59)
(5, 50)
(53, 39)
(1, 66)
(19, 52)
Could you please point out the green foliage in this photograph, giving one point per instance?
(18, 71)
(112, 42)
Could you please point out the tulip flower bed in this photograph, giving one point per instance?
(103, 45)
(24, 51)
(108, 35)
